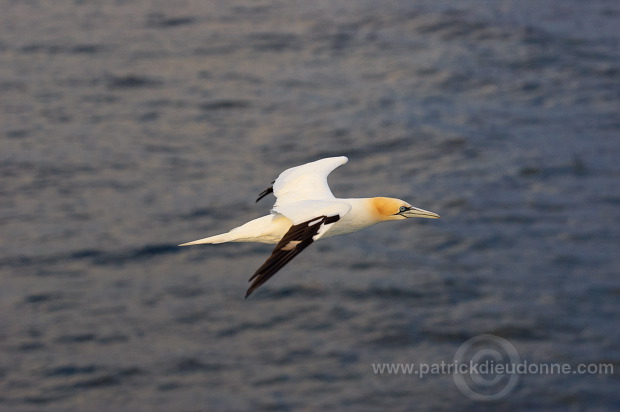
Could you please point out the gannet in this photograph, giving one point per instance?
(306, 211)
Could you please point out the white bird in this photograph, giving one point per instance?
(306, 211)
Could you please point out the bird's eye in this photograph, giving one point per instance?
(403, 209)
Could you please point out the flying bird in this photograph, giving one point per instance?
(306, 211)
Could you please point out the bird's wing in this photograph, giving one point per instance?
(308, 181)
(311, 220)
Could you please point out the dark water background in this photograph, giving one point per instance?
(128, 127)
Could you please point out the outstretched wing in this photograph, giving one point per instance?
(308, 181)
(299, 236)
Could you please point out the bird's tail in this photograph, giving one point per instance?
(224, 237)
(266, 229)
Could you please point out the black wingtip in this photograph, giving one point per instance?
(264, 193)
(296, 239)
(254, 284)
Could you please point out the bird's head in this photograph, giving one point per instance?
(387, 208)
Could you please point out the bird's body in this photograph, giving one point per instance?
(271, 228)
(306, 211)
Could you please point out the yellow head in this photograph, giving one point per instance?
(387, 208)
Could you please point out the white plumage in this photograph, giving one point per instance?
(306, 211)
(306, 182)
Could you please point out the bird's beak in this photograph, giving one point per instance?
(415, 212)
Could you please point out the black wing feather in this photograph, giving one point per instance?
(302, 236)
(265, 192)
